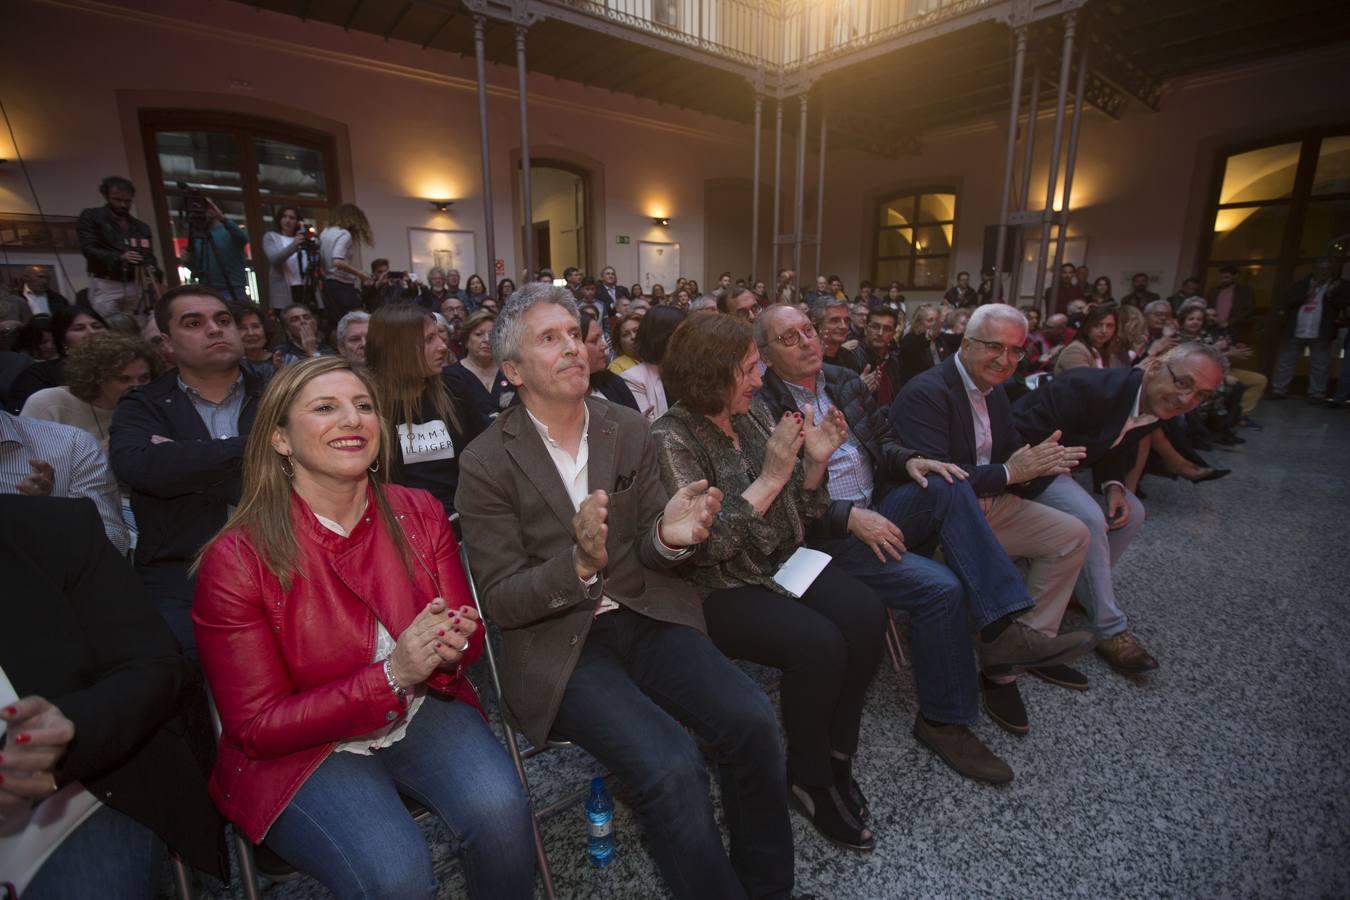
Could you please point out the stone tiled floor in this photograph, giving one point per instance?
(1222, 775)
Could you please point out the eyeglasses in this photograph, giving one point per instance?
(1017, 353)
(1187, 385)
(795, 336)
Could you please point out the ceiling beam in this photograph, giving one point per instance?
(398, 19)
(431, 39)
(351, 16)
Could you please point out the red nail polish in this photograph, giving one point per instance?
(438, 645)
(11, 710)
(24, 739)
(440, 632)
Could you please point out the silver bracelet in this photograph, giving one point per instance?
(400, 692)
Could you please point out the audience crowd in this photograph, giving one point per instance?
(649, 483)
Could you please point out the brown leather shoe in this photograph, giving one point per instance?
(1019, 646)
(963, 751)
(1125, 655)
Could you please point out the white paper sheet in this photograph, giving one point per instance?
(797, 574)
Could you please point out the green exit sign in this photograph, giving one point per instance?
(622, 239)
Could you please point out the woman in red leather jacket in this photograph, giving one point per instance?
(333, 618)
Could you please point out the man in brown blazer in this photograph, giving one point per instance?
(570, 534)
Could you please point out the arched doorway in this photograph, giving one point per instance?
(559, 233)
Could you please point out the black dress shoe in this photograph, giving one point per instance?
(1211, 475)
(1063, 676)
(1003, 703)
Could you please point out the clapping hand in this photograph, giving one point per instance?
(780, 455)
(1046, 458)
(871, 378)
(689, 514)
(825, 437)
(36, 738)
(436, 637)
(589, 526)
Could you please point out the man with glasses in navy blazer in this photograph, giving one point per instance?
(1106, 412)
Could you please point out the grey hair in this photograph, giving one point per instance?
(1158, 304)
(347, 321)
(821, 308)
(435, 270)
(510, 326)
(1194, 348)
(1190, 306)
(766, 320)
(995, 312)
(707, 301)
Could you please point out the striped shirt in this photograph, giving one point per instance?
(79, 466)
(850, 471)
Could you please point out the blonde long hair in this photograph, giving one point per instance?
(264, 510)
(395, 352)
(350, 217)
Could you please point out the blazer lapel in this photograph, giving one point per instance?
(966, 427)
(526, 449)
(603, 439)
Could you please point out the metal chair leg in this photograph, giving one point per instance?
(248, 874)
(894, 645)
(182, 878)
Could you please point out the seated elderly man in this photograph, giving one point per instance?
(958, 411)
(883, 496)
(1107, 412)
(571, 536)
(351, 336)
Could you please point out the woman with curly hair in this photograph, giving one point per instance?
(342, 279)
(98, 370)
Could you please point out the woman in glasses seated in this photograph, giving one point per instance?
(334, 621)
(827, 642)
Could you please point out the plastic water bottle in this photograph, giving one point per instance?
(600, 813)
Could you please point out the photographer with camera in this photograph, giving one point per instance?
(341, 279)
(388, 288)
(215, 247)
(116, 248)
(291, 251)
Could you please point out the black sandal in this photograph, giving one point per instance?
(832, 817)
(848, 787)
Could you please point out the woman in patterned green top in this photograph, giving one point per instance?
(827, 642)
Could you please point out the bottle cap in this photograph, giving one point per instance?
(597, 784)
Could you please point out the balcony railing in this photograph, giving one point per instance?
(780, 35)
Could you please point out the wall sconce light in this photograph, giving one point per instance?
(441, 205)
(660, 220)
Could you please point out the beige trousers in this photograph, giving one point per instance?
(1052, 542)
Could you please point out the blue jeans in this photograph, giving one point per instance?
(347, 827)
(110, 855)
(636, 686)
(1094, 589)
(981, 586)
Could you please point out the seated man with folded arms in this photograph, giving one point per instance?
(570, 536)
(1107, 412)
(958, 411)
(884, 497)
(178, 442)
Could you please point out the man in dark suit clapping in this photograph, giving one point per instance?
(1107, 411)
(570, 535)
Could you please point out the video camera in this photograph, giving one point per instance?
(196, 207)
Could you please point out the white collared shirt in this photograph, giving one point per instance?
(979, 414)
(1135, 420)
(575, 475)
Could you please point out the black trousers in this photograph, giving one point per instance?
(827, 645)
